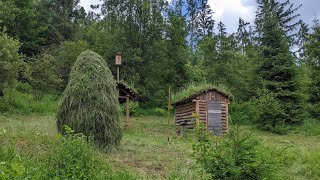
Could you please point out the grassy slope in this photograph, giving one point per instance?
(145, 151)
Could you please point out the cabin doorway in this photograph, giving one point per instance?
(214, 117)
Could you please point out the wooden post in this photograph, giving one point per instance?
(169, 104)
(227, 117)
(197, 112)
(127, 112)
(207, 116)
(118, 72)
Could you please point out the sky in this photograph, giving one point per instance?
(229, 11)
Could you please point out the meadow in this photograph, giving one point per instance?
(148, 150)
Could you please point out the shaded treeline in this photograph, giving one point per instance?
(272, 63)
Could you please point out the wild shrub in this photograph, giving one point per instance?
(21, 100)
(11, 165)
(271, 115)
(90, 102)
(234, 156)
(133, 108)
(10, 61)
(43, 75)
(242, 112)
(72, 157)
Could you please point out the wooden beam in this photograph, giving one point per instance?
(197, 112)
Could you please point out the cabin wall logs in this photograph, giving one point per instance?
(183, 112)
(183, 115)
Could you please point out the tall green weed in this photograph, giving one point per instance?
(21, 100)
(11, 165)
(72, 157)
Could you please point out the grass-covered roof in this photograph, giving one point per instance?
(130, 89)
(194, 90)
(125, 89)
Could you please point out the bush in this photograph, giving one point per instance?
(133, 108)
(66, 57)
(21, 100)
(152, 112)
(271, 115)
(10, 60)
(90, 102)
(235, 156)
(43, 75)
(314, 110)
(11, 165)
(242, 112)
(309, 127)
(72, 157)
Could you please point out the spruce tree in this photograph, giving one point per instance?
(313, 59)
(90, 102)
(177, 35)
(205, 22)
(277, 70)
(243, 36)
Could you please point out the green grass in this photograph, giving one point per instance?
(146, 153)
(195, 89)
(24, 102)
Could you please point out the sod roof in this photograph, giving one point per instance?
(125, 89)
(194, 90)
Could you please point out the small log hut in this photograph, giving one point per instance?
(210, 104)
(125, 94)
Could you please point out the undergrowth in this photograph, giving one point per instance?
(24, 101)
(66, 157)
(237, 155)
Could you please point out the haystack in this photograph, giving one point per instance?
(90, 101)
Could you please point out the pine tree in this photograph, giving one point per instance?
(313, 57)
(243, 36)
(222, 39)
(205, 22)
(285, 12)
(90, 102)
(277, 69)
(177, 34)
(192, 9)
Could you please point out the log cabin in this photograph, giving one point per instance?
(209, 103)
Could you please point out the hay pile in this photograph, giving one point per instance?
(90, 102)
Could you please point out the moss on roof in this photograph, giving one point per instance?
(124, 84)
(193, 90)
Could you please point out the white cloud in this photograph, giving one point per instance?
(229, 11)
(86, 4)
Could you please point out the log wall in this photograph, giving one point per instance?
(183, 112)
(183, 115)
(224, 117)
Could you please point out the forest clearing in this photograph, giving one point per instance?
(159, 89)
(145, 152)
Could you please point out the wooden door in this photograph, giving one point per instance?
(214, 117)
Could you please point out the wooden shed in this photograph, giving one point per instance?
(125, 94)
(210, 103)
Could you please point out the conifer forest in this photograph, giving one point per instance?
(113, 90)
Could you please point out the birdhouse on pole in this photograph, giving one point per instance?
(118, 58)
(118, 62)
